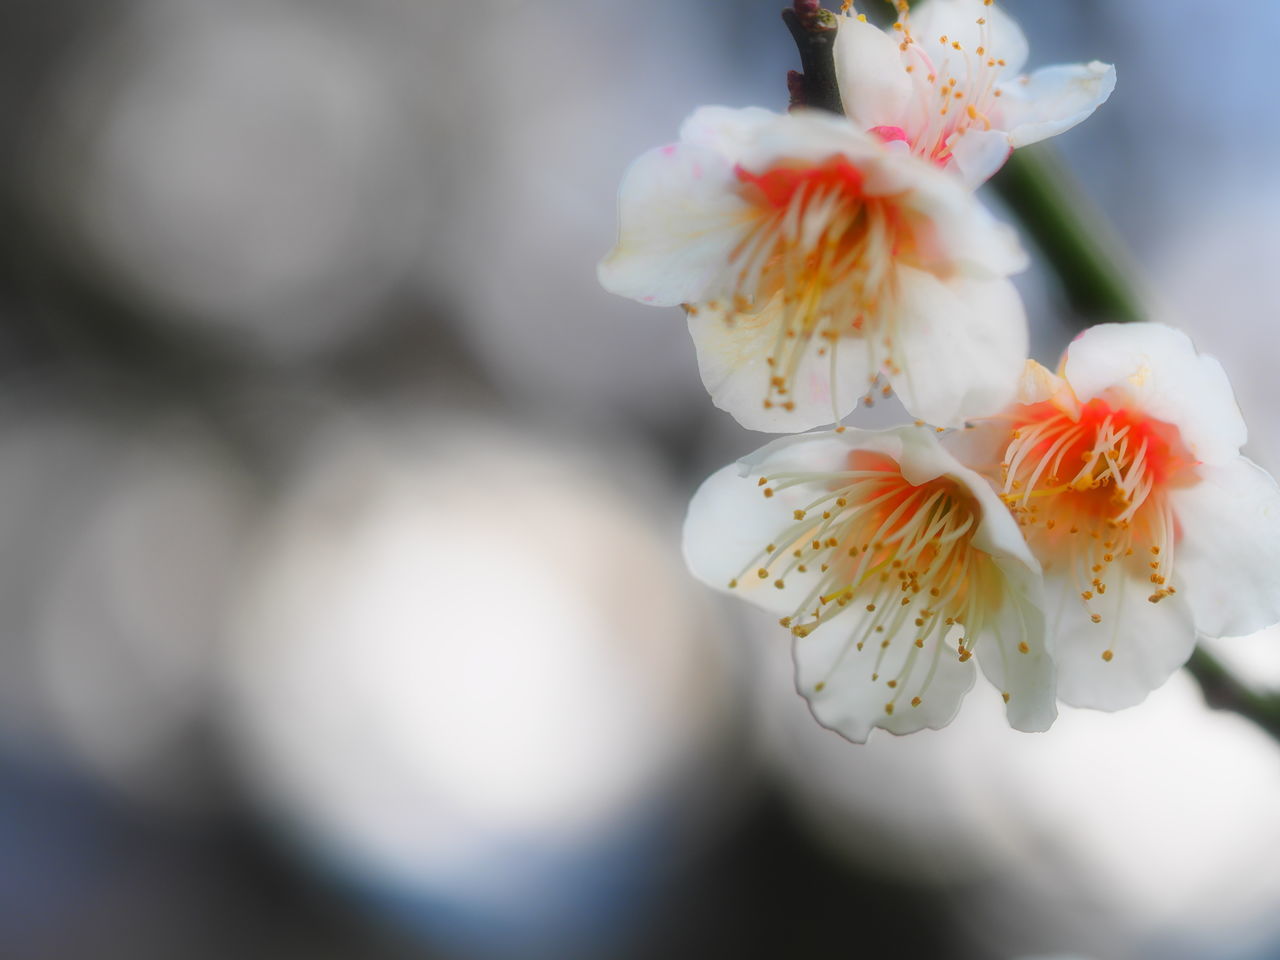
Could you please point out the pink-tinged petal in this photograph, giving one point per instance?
(1053, 100)
(1154, 370)
(1227, 561)
(1134, 648)
(874, 86)
(679, 219)
(959, 21)
(977, 154)
(733, 360)
(960, 346)
(727, 130)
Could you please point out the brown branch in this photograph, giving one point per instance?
(814, 31)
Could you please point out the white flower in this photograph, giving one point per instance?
(1126, 474)
(812, 258)
(891, 564)
(946, 79)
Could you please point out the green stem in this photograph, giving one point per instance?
(1222, 691)
(1077, 242)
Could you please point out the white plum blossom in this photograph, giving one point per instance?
(946, 79)
(1124, 470)
(812, 259)
(892, 566)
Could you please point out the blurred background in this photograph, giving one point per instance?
(342, 613)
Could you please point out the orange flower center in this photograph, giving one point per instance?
(817, 263)
(1092, 492)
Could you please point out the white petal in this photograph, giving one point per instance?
(821, 452)
(1038, 384)
(978, 154)
(727, 130)
(809, 135)
(852, 704)
(961, 346)
(874, 85)
(1155, 369)
(730, 521)
(922, 457)
(980, 447)
(953, 228)
(957, 20)
(1227, 560)
(1148, 641)
(733, 361)
(1053, 100)
(679, 218)
(1029, 678)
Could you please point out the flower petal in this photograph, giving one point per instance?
(733, 361)
(1039, 383)
(961, 346)
(951, 226)
(805, 135)
(953, 229)
(1054, 99)
(1227, 559)
(679, 218)
(874, 86)
(1012, 650)
(836, 678)
(1014, 656)
(1147, 641)
(922, 457)
(730, 521)
(978, 154)
(727, 524)
(846, 687)
(961, 21)
(728, 131)
(1155, 369)
(856, 675)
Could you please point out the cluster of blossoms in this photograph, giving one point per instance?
(1079, 531)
